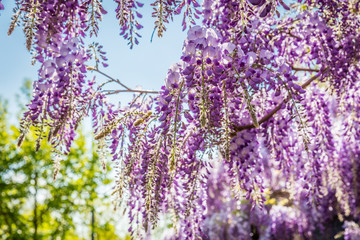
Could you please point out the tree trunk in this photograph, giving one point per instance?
(92, 224)
(35, 218)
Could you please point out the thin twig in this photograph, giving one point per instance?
(111, 78)
(294, 36)
(127, 89)
(276, 109)
(110, 92)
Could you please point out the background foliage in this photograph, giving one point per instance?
(35, 206)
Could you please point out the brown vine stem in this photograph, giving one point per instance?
(305, 69)
(276, 109)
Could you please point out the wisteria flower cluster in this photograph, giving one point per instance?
(255, 133)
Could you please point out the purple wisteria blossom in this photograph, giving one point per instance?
(255, 133)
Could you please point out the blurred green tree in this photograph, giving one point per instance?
(35, 206)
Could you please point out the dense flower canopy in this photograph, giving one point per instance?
(269, 89)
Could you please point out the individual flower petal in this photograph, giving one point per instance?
(251, 58)
(196, 32)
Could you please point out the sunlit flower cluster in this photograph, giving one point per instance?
(268, 89)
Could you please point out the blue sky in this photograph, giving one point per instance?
(145, 65)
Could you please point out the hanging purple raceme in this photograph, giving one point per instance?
(127, 13)
(352, 231)
(60, 96)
